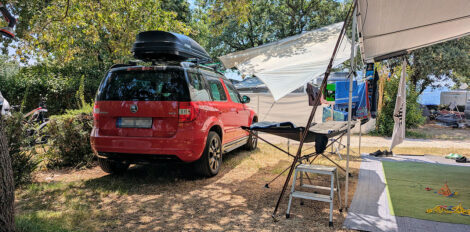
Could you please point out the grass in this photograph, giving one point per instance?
(58, 207)
(171, 197)
(38, 222)
(407, 181)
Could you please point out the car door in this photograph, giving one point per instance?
(240, 114)
(221, 104)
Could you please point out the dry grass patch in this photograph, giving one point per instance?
(436, 131)
(170, 197)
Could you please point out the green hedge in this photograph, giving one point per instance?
(69, 139)
(58, 85)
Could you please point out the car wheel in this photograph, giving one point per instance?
(112, 166)
(209, 163)
(252, 142)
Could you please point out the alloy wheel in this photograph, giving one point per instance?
(215, 154)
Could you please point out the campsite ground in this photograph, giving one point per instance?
(169, 197)
(434, 130)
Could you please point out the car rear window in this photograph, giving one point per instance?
(168, 85)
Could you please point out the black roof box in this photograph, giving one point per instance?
(167, 46)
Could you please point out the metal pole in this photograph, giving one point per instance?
(360, 136)
(353, 46)
(316, 103)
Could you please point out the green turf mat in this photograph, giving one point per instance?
(407, 181)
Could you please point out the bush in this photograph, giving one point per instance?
(21, 148)
(58, 85)
(414, 116)
(69, 139)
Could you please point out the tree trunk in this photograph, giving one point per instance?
(7, 188)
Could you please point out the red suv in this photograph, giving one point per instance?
(184, 112)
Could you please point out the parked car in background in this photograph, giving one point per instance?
(467, 113)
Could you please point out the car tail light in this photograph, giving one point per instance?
(188, 111)
(96, 114)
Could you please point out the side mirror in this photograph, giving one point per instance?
(245, 99)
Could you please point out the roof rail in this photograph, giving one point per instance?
(209, 67)
(120, 65)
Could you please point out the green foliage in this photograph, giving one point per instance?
(445, 61)
(236, 25)
(438, 65)
(80, 95)
(414, 116)
(69, 39)
(89, 32)
(20, 148)
(180, 7)
(70, 139)
(58, 85)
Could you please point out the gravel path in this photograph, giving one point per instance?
(373, 141)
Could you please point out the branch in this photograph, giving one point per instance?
(62, 19)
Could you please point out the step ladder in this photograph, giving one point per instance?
(317, 169)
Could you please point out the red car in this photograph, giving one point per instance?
(183, 112)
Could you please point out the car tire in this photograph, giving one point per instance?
(252, 142)
(112, 166)
(209, 163)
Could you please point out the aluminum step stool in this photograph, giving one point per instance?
(318, 169)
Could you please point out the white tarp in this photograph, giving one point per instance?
(394, 27)
(290, 63)
(399, 114)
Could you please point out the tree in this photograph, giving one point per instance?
(71, 38)
(92, 33)
(7, 186)
(238, 25)
(180, 7)
(438, 65)
(441, 62)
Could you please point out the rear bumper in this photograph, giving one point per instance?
(182, 146)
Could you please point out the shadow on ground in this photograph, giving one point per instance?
(172, 197)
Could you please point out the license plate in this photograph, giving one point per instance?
(134, 122)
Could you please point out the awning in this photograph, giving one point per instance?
(393, 28)
(290, 63)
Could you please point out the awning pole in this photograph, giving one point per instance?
(360, 136)
(316, 103)
(351, 79)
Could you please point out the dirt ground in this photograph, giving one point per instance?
(375, 141)
(170, 198)
(434, 130)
